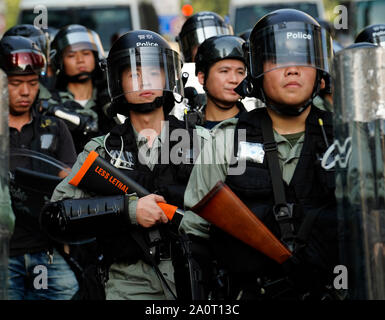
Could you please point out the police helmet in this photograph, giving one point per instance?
(289, 37)
(31, 32)
(21, 56)
(361, 45)
(77, 37)
(218, 48)
(198, 28)
(374, 34)
(144, 50)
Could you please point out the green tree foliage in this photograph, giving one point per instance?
(219, 6)
(12, 12)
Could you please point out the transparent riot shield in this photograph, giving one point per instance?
(359, 155)
(6, 214)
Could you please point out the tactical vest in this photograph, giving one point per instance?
(310, 188)
(27, 201)
(168, 180)
(45, 136)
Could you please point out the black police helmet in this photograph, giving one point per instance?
(361, 45)
(198, 28)
(32, 32)
(288, 37)
(374, 34)
(77, 36)
(140, 49)
(21, 56)
(218, 48)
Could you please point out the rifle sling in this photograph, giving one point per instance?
(282, 210)
(138, 237)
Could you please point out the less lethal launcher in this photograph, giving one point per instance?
(99, 176)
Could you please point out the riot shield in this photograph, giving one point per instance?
(6, 214)
(33, 177)
(358, 154)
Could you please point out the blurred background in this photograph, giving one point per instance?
(167, 16)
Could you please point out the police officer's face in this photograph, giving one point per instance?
(22, 91)
(290, 85)
(76, 62)
(224, 76)
(143, 84)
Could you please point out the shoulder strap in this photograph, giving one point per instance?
(282, 210)
(271, 151)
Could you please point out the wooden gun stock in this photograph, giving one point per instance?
(224, 209)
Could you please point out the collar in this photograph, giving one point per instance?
(141, 140)
(68, 95)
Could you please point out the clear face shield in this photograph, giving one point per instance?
(193, 39)
(81, 40)
(290, 44)
(142, 74)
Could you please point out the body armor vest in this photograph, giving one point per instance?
(168, 180)
(311, 188)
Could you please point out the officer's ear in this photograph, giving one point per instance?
(201, 77)
(323, 84)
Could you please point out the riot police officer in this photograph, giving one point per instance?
(75, 55)
(143, 75)
(198, 28)
(220, 68)
(40, 38)
(195, 30)
(23, 62)
(289, 55)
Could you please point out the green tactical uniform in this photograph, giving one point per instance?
(137, 281)
(85, 110)
(207, 173)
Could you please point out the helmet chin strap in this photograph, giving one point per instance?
(217, 101)
(79, 78)
(288, 110)
(125, 107)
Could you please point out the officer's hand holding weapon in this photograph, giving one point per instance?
(148, 212)
(74, 220)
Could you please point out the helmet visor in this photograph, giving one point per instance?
(193, 39)
(144, 69)
(290, 44)
(24, 62)
(78, 41)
